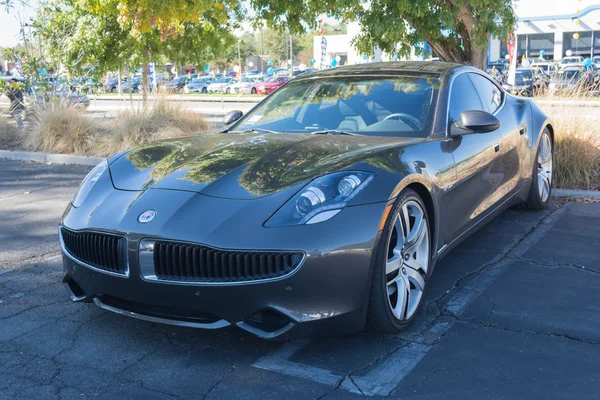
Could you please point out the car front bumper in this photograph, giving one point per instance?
(327, 294)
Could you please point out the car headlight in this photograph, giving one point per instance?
(321, 199)
(88, 183)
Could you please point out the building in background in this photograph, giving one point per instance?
(551, 26)
(554, 27)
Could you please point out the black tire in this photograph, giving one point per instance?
(253, 91)
(535, 201)
(227, 91)
(204, 90)
(380, 317)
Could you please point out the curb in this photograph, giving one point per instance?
(190, 99)
(576, 193)
(47, 158)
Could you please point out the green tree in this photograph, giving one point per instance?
(456, 30)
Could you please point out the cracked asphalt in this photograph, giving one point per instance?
(511, 313)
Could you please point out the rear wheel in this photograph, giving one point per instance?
(253, 91)
(204, 90)
(402, 266)
(541, 180)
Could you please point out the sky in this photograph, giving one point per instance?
(9, 23)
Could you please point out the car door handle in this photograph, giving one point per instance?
(497, 148)
(522, 131)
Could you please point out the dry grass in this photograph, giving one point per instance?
(161, 120)
(62, 129)
(11, 137)
(577, 146)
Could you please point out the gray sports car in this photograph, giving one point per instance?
(322, 210)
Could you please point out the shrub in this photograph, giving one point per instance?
(11, 137)
(577, 147)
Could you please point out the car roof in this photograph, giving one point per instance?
(418, 68)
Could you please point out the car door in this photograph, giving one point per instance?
(478, 165)
(513, 128)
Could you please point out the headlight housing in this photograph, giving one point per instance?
(88, 183)
(321, 199)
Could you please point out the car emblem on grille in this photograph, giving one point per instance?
(147, 216)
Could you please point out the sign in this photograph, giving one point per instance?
(152, 75)
(511, 46)
(323, 51)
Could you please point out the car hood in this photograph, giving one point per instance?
(247, 166)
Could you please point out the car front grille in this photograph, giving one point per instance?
(197, 263)
(98, 250)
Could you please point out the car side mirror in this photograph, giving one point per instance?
(475, 121)
(232, 116)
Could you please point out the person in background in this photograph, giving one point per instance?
(17, 106)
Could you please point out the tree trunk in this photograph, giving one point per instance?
(478, 58)
(145, 85)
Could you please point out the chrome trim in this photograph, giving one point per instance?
(448, 136)
(146, 265)
(213, 325)
(79, 262)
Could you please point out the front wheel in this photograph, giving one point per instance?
(253, 91)
(541, 179)
(402, 266)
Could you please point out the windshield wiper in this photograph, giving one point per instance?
(333, 132)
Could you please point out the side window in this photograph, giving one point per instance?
(489, 93)
(463, 97)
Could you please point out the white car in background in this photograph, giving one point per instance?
(249, 86)
(569, 61)
(219, 85)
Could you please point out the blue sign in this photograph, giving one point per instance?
(206, 69)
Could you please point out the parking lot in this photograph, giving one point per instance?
(511, 313)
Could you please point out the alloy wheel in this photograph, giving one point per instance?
(544, 170)
(407, 260)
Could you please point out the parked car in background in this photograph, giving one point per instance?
(198, 85)
(219, 85)
(112, 85)
(570, 80)
(596, 61)
(176, 84)
(248, 85)
(132, 85)
(528, 82)
(568, 61)
(272, 84)
(68, 97)
(549, 68)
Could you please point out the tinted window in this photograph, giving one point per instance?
(490, 95)
(463, 97)
(394, 106)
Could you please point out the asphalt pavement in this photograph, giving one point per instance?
(512, 313)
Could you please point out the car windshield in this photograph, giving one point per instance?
(399, 106)
(223, 80)
(523, 77)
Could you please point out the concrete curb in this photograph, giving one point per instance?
(575, 193)
(184, 98)
(47, 158)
